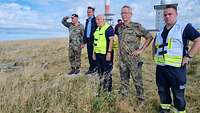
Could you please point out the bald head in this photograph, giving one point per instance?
(100, 20)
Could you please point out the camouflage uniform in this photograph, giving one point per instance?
(129, 40)
(75, 41)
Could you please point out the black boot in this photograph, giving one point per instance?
(91, 71)
(164, 111)
(72, 71)
(77, 71)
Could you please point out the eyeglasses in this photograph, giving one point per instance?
(125, 13)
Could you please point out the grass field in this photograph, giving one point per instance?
(40, 84)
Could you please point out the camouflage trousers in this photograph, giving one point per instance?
(104, 71)
(74, 55)
(131, 70)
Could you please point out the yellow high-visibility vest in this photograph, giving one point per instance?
(100, 42)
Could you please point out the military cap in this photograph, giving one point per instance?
(74, 15)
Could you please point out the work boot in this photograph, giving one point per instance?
(95, 71)
(164, 110)
(91, 71)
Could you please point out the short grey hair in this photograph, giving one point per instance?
(126, 6)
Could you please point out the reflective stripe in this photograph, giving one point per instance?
(173, 60)
(165, 106)
(168, 60)
(181, 112)
(174, 110)
(159, 60)
(170, 43)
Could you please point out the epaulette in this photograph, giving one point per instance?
(135, 24)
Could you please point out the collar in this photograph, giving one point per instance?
(170, 27)
(90, 17)
(127, 24)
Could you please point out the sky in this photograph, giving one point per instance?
(32, 19)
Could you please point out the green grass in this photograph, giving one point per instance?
(32, 89)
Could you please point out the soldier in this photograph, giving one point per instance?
(130, 34)
(76, 31)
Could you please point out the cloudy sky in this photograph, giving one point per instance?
(21, 19)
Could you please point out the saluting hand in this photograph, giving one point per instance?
(65, 18)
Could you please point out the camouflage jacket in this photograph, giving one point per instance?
(75, 33)
(130, 37)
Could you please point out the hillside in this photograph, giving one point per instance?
(33, 80)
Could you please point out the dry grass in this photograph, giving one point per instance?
(35, 89)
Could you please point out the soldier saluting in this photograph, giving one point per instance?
(76, 31)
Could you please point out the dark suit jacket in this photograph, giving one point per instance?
(93, 28)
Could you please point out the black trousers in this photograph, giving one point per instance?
(104, 71)
(92, 62)
(174, 78)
